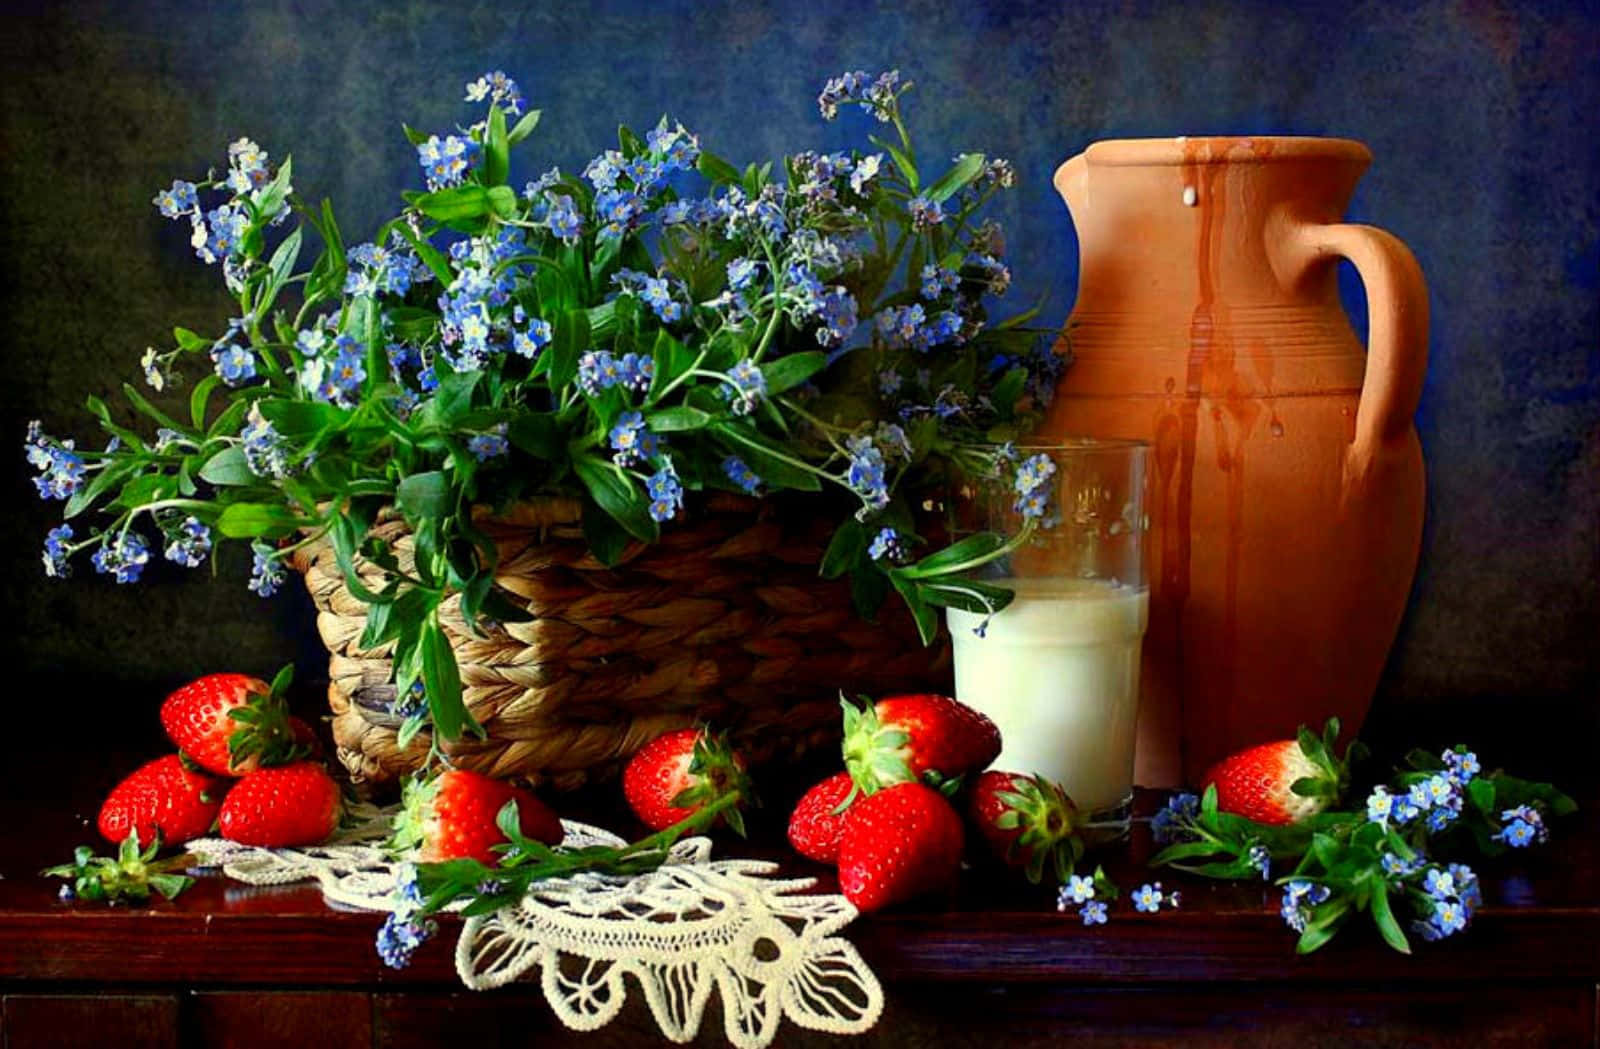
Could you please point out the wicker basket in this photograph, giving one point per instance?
(724, 619)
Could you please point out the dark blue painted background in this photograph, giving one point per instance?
(1481, 115)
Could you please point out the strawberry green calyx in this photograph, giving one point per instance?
(264, 727)
(1048, 823)
(874, 754)
(130, 876)
(415, 796)
(1332, 777)
(717, 773)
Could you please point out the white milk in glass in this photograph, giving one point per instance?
(1058, 671)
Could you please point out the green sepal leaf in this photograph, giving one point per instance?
(1314, 787)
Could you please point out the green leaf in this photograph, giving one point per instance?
(972, 548)
(456, 204)
(926, 618)
(188, 340)
(496, 149)
(844, 550)
(279, 268)
(409, 729)
(1325, 849)
(1185, 851)
(503, 201)
(966, 594)
(1423, 761)
(200, 397)
(618, 496)
(524, 127)
(113, 474)
(431, 256)
(672, 358)
(770, 462)
(785, 373)
(1383, 916)
(256, 520)
(960, 175)
(277, 190)
(869, 588)
(676, 420)
(1005, 392)
(606, 538)
(452, 400)
(298, 420)
(441, 678)
(571, 338)
(228, 468)
(537, 435)
(716, 169)
(908, 170)
(344, 531)
(139, 402)
(424, 495)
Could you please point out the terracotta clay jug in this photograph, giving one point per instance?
(1286, 488)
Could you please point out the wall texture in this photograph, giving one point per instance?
(1480, 113)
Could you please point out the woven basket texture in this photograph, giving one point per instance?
(724, 619)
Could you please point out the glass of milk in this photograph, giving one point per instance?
(1058, 668)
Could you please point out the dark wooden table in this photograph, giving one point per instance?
(231, 965)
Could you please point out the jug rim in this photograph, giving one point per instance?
(1182, 150)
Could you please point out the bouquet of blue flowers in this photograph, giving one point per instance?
(659, 327)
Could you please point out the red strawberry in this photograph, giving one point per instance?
(816, 826)
(903, 841)
(454, 816)
(280, 806)
(678, 773)
(1027, 820)
(161, 797)
(1259, 783)
(903, 737)
(231, 724)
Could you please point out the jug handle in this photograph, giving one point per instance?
(1397, 330)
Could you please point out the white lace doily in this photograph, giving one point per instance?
(693, 926)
